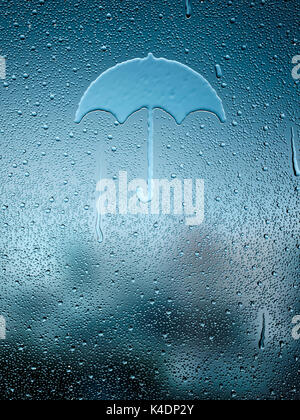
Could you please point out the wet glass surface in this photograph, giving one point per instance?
(158, 309)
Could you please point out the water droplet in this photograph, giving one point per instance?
(219, 72)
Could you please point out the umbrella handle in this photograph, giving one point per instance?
(140, 194)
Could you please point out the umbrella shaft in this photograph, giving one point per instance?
(150, 151)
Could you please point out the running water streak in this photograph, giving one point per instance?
(99, 232)
(188, 8)
(261, 343)
(294, 155)
(98, 216)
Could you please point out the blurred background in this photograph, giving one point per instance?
(159, 310)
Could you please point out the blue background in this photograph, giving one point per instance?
(159, 310)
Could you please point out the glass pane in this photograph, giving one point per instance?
(149, 306)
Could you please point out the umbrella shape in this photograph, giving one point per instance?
(150, 83)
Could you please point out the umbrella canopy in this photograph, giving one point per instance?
(150, 83)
